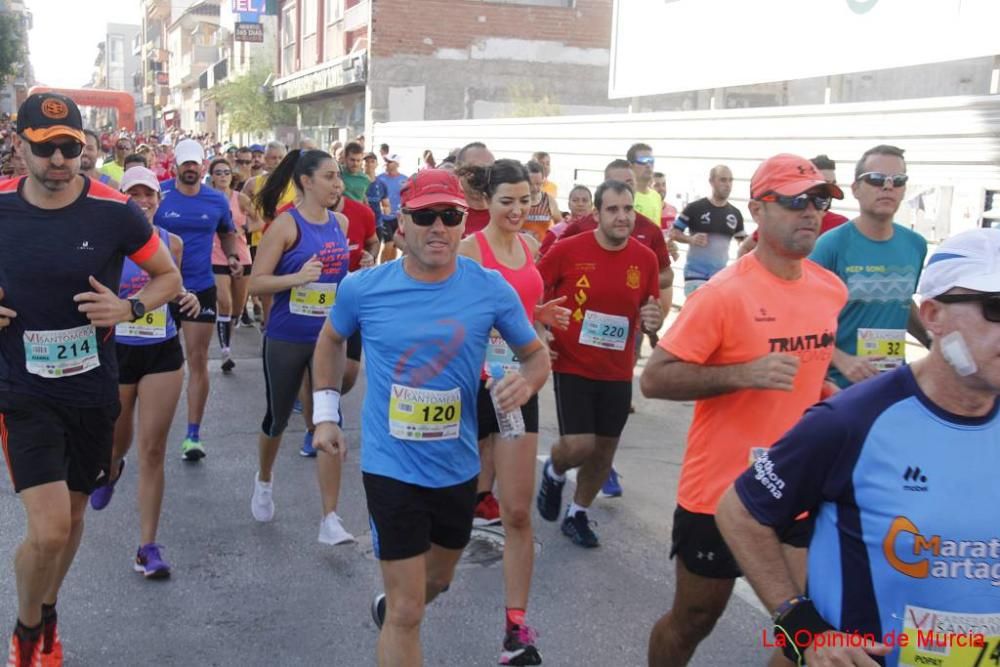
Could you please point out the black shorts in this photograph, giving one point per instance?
(45, 442)
(586, 406)
(697, 541)
(207, 298)
(354, 346)
(220, 270)
(137, 361)
(407, 519)
(487, 414)
(387, 230)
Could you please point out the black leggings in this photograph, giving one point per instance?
(285, 364)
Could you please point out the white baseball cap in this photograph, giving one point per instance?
(970, 260)
(139, 176)
(188, 150)
(393, 157)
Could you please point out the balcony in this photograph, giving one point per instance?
(356, 17)
(205, 54)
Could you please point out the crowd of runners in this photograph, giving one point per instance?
(856, 493)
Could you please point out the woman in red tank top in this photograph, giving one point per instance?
(504, 246)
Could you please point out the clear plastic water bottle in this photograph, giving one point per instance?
(511, 423)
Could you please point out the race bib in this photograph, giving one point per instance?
(888, 343)
(499, 352)
(950, 639)
(151, 325)
(313, 299)
(424, 414)
(609, 332)
(56, 354)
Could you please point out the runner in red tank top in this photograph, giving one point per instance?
(503, 246)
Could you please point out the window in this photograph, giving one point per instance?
(334, 10)
(309, 17)
(116, 50)
(288, 40)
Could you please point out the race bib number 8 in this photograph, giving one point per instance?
(609, 332)
(151, 325)
(424, 414)
(56, 354)
(313, 299)
(950, 639)
(887, 343)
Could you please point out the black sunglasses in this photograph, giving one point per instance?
(451, 217)
(69, 149)
(798, 202)
(877, 179)
(990, 302)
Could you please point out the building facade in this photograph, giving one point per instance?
(14, 89)
(347, 64)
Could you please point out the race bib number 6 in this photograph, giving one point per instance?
(61, 353)
(424, 414)
(609, 332)
(151, 325)
(313, 299)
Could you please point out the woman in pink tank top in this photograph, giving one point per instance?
(504, 246)
(231, 290)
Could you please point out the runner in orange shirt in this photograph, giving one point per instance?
(752, 347)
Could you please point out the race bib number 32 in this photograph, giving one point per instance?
(890, 344)
(609, 332)
(312, 300)
(61, 353)
(424, 414)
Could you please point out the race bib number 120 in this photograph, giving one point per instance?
(63, 353)
(424, 414)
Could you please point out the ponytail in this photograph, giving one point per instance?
(486, 180)
(293, 167)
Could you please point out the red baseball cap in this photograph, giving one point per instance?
(432, 187)
(789, 175)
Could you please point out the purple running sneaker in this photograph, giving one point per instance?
(149, 562)
(101, 496)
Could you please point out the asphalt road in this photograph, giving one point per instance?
(244, 593)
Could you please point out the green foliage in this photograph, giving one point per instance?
(250, 109)
(12, 44)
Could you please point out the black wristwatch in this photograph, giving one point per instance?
(138, 309)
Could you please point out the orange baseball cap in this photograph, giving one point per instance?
(789, 175)
(45, 116)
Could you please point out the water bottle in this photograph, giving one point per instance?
(511, 423)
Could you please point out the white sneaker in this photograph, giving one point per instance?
(331, 531)
(262, 504)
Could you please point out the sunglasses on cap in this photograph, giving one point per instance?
(645, 159)
(69, 149)
(451, 217)
(990, 302)
(878, 179)
(798, 202)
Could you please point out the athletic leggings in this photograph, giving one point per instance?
(285, 364)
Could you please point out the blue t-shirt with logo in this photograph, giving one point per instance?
(196, 219)
(424, 344)
(906, 499)
(881, 277)
(393, 185)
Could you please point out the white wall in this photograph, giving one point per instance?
(952, 147)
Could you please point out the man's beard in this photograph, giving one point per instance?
(189, 178)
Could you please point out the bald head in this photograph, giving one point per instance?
(721, 180)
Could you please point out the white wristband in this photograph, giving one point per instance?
(326, 406)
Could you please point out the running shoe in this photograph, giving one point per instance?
(519, 647)
(549, 500)
(577, 528)
(262, 504)
(150, 563)
(192, 450)
(487, 511)
(332, 532)
(308, 450)
(297, 407)
(24, 652)
(378, 610)
(245, 319)
(227, 363)
(612, 486)
(101, 496)
(52, 650)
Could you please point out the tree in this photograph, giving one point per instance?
(250, 107)
(11, 44)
